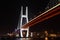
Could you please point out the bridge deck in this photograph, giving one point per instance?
(44, 16)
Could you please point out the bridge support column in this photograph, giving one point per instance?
(22, 21)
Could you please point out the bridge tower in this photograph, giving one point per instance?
(24, 18)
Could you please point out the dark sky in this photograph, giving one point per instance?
(8, 16)
(10, 10)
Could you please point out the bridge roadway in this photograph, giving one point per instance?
(44, 16)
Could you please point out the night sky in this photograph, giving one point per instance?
(8, 16)
(10, 11)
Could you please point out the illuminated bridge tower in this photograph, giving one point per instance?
(24, 18)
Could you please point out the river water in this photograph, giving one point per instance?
(58, 38)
